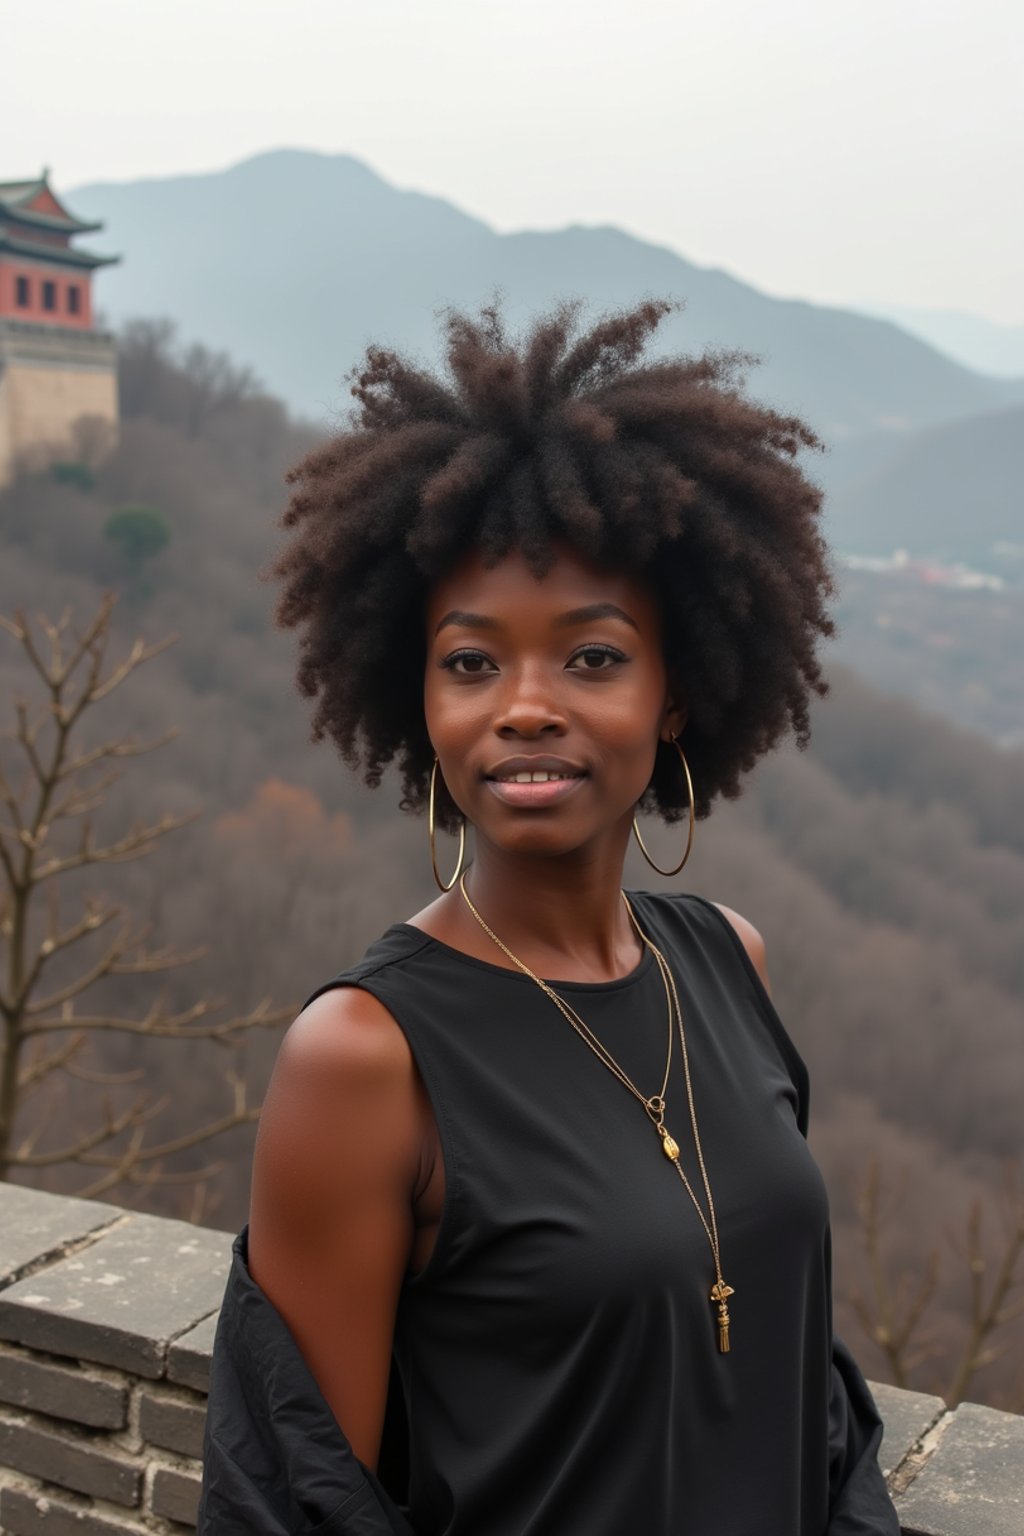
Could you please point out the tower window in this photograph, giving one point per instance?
(22, 295)
(49, 295)
(73, 299)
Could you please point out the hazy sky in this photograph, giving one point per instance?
(862, 153)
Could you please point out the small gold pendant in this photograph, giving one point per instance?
(669, 1146)
(719, 1292)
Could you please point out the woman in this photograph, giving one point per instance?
(542, 1149)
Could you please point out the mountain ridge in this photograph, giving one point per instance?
(305, 257)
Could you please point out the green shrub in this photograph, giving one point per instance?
(139, 532)
(69, 472)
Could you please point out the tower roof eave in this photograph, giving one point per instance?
(65, 226)
(63, 255)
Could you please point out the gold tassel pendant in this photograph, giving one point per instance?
(719, 1292)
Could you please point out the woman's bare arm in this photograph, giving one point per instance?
(337, 1158)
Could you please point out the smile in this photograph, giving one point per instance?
(537, 776)
(535, 789)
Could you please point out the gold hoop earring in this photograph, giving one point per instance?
(689, 838)
(430, 830)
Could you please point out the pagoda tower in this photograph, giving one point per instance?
(55, 367)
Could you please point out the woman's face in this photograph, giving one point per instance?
(565, 673)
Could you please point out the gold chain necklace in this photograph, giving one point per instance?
(653, 1105)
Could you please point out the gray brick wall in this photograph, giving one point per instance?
(106, 1327)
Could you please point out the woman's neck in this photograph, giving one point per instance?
(562, 917)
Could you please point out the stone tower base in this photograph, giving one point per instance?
(51, 377)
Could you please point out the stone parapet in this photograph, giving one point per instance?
(23, 342)
(107, 1320)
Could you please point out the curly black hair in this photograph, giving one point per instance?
(663, 467)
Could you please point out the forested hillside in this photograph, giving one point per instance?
(951, 491)
(884, 866)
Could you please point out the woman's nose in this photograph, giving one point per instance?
(528, 705)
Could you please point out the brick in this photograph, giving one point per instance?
(63, 1393)
(69, 1463)
(37, 1225)
(906, 1416)
(188, 1359)
(121, 1301)
(39, 1514)
(972, 1484)
(175, 1426)
(175, 1495)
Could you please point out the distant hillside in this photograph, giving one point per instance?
(981, 344)
(292, 261)
(955, 652)
(952, 491)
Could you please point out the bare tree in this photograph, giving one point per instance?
(49, 796)
(895, 1313)
(215, 384)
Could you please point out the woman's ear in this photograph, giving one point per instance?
(674, 716)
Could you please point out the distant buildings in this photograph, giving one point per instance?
(58, 374)
(932, 572)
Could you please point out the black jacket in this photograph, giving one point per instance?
(276, 1463)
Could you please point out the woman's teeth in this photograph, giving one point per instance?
(535, 778)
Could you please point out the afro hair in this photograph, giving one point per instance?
(662, 466)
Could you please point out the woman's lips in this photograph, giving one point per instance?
(547, 792)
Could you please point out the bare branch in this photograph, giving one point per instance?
(128, 747)
(119, 1173)
(104, 965)
(94, 920)
(129, 1164)
(135, 1115)
(26, 735)
(105, 1079)
(159, 1025)
(90, 643)
(5, 858)
(41, 1126)
(83, 797)
(140, 653)
(228, 1122)
(96, 917)
(42, 1065)
(160, 960)
(12, 802)
(135, 845)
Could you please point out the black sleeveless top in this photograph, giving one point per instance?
(558, 1353)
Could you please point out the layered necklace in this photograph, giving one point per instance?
(653, 1104)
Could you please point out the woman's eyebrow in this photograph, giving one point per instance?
(584, 615)
(593, 611)
(467, 620)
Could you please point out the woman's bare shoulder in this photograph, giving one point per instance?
(348, 1032)
(751, 940)
(341, 1111)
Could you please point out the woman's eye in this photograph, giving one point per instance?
(474, 663)
(598, 658)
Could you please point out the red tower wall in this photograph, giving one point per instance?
(38, 273)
